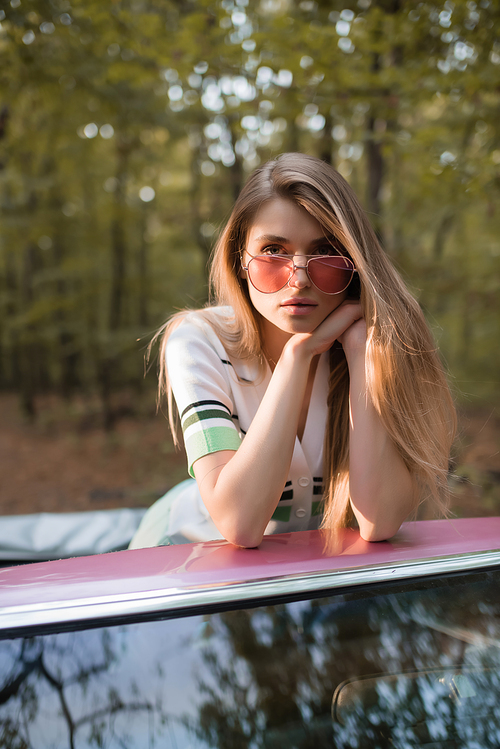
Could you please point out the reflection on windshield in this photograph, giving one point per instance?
(413, 665)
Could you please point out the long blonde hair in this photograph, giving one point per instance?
(404, 375)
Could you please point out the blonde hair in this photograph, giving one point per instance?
(405, 378)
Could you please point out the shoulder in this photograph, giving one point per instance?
(202, 341)
(208, 317)
(194, 343)
(201, 326)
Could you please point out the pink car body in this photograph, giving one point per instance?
(181, 577)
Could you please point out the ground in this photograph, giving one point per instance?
(66, 462)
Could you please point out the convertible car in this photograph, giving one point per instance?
(314, 639)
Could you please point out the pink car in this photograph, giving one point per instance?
(311, 640)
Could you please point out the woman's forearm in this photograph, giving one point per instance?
(241, 489)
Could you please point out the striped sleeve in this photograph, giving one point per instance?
(198, 370)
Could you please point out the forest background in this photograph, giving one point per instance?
(128, 127)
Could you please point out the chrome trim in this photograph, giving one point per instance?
(172, 599)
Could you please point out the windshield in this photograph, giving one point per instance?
(403, 665)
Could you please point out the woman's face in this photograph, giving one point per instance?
(281, 227)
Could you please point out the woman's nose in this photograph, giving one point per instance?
(299, 278)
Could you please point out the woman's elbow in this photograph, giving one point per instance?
(374, 532)
(243, 537)
(384, 517)
(245, 540)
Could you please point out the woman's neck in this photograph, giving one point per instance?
(273, 341)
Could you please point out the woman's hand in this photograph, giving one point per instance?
(353, 341)
(345, 324)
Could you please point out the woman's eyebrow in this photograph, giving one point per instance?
(329, 238)
(272, 238)
(284, 240)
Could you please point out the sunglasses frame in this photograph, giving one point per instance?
(296, 267)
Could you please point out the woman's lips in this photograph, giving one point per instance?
(299, 305)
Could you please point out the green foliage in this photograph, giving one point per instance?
(127, 129)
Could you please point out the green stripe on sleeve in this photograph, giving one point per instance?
(214, 413)
(210, 440)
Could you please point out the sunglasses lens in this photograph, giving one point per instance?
(269, 274)
(331, 274)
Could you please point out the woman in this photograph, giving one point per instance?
(316, 353)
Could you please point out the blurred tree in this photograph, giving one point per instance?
(127, 131)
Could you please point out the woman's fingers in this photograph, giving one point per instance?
(353, 339)
(336, 325)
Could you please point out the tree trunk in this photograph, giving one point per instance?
(109, 359)
(143, 275)
(443, 230)
(325, 145)
(118, 244)
(27, 353)
(376, 169)
(236, 170)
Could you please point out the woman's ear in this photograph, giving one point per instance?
(242, 273)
